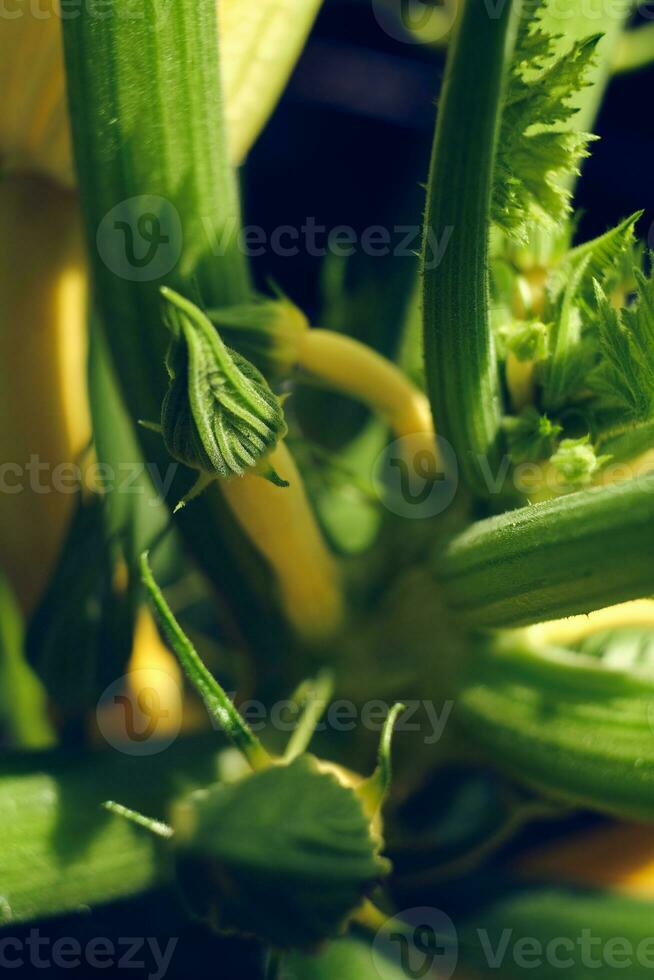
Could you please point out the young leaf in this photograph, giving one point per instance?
(565, 368)
(537, 147)
(219, 415)
(626, 374)
(603, 257)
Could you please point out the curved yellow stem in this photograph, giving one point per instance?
(355, 369)
(282, 526)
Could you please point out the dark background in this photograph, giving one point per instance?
(354, 131)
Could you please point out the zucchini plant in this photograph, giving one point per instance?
(515, 617)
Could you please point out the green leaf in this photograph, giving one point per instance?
(286, 854)
(626, 376)
(23, 706)
(570, 555)
(79, 638)
(65, 853)
(219, 415)
(603, 257)
(537, 148)
(527, 339)
(566, 722)
(345, 959)
(461, 367)
(566, 365)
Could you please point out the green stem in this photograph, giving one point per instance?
(316, 696)
(152, 160)
(61, 851)
(461, 368)
(218, 704)
(560, 558)
(634, 50)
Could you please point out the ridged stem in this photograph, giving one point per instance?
(559, 558)
(461, 369)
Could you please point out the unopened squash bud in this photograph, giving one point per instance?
(289, 852)
(219, 415)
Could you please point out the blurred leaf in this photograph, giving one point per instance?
(65, 852)
(80, 637)
(22, 700)
(510, 929)
(578, 728)
(344, 959)
(260, 44)
(286, 854)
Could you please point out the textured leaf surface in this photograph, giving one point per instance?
(286, 854)
(219, 414)
(538, 148)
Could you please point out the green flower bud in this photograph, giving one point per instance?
(286, 854)
(266, 331)
(528, 340)
(577, 462)
(530, 435)
(219, 415)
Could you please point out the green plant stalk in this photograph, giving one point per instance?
(218, 704)
(461, 368)
(135, 142)
(64, 852)
(634, 50)
(575, 924)
(147, 123)
(564, 722)
(560, 558)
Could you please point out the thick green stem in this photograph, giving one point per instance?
(158, 194)
(560, 558)
(461, 368)
(61, 851)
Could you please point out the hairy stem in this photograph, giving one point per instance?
(566, 556)
(461, 368)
